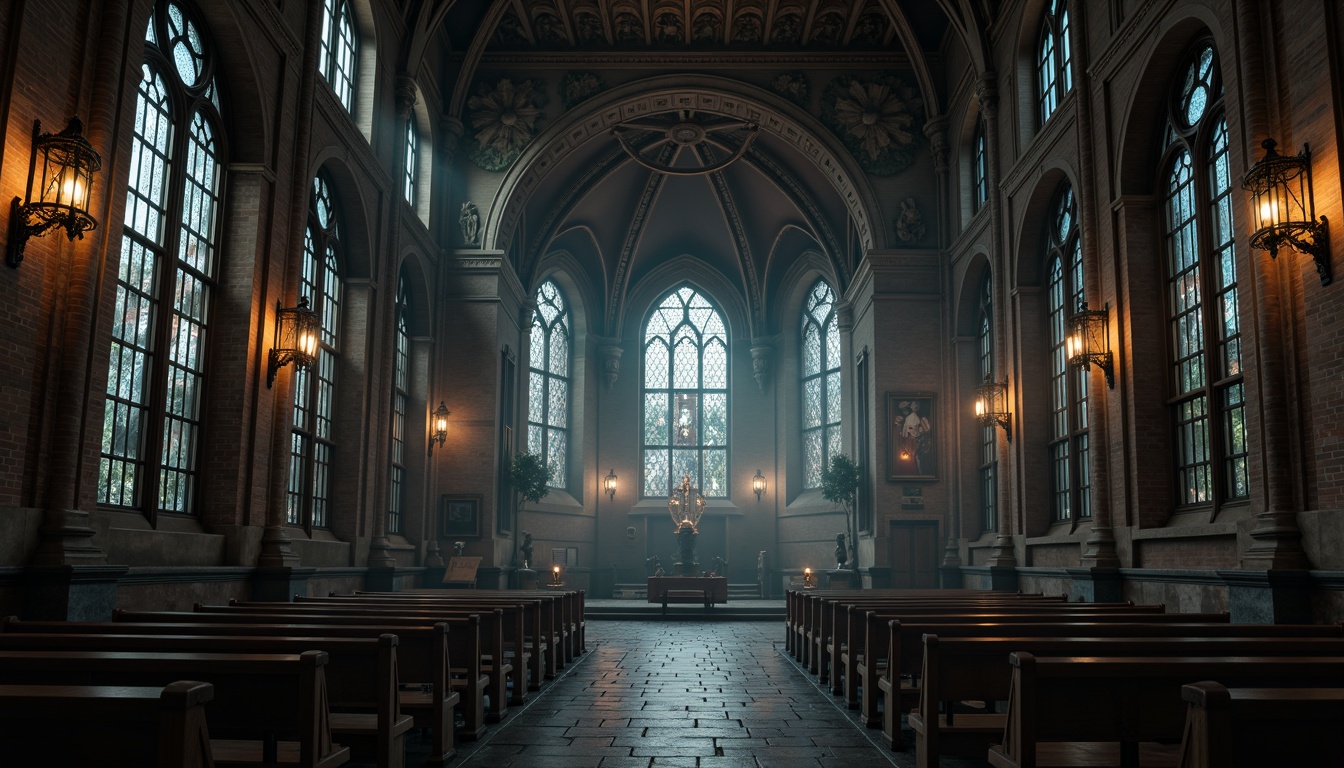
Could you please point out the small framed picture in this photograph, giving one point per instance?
(459, 516)
(912, 436)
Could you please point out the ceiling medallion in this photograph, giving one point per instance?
(686, 131)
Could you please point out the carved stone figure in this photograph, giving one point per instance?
(526, 549)
(841, 551)
(470, 221)
(910, 222)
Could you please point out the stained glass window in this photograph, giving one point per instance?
(685, 413)
(548, 382)
(401, 364)
(1070, 484)
(989, 451)
(1054, 60)
(150, 458)
(412, 159)
(312, 444)
(339, 55)
(1208, 394)
(821, 382)
(980, 169)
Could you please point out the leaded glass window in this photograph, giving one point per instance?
(980, 169)
(1070, 486)
(1207, 390)
(685, 409)
(821, 382)
(312, 441)
(339, 55)
(150, 458)
(1054, 60)
(548, 382)
(401, 371)
(989, 450)
(412, 159)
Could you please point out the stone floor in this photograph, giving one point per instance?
(714, 695)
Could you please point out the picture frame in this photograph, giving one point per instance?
(459, 516)
(913, 432)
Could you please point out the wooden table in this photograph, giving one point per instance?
(681, 589)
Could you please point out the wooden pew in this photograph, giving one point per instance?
(907, 646)
(871, 675)
(1255, 727)
(423, 660)
(118, 726)
(1113, 710)
(502, 629)
(267, 708)
(845, 660)
(796, 599)
(976, 668)
(361, 674)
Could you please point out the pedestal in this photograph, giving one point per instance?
(527, 578)
(840, 579)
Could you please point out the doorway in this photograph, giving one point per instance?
(913, 554)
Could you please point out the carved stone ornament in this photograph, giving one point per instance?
(505, 119)
(910, 222)
(470, 222)
(877, 119)
(611, 363)
(761, 357)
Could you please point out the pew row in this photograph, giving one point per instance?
(1254, 727)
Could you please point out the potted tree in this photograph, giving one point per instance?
(529, 479)
(840, 484)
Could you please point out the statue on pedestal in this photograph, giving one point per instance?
(527, 550)
(841, 551)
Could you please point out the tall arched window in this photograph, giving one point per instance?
(1207, 392)
(412, 160)
(989, 450)
(340, 50)
(1054, 60)
(979, 169)
(686, 395)
(821, 382)
(1070, 484)
(312, 441)
(156, 380)
(548, 382)
(401, 371)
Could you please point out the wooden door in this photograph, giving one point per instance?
(914, 554)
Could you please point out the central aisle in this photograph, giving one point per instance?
(689, 695)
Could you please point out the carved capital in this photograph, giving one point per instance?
(452, 131)
(935, 130)
(762, 355)
(611, 363)
(405, 96)
(987, 94)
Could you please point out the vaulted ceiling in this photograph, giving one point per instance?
(655, 180)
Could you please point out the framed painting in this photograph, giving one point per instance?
(912, 436)
(459, 516)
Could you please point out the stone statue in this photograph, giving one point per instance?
(841, 552)
(527, 549)
(470, 221)
(458, 546)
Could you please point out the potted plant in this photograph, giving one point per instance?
(529, 479)
(840, 484)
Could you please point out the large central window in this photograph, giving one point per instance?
(685, 395)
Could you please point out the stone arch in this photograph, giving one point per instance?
(357, 237)
(684, 269)
(1024, 64)
(1025, 268)
(424, 165)
(366, 79)
(702, 93)
(964, 141)
(237, 66)
(418, 273)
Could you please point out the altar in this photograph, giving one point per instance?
(688, 589)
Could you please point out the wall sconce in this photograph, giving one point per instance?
(609, 485)
(758, 484)
(555, 576)
(68, 162)
(991, 405)
(808, 583)
(440, 433)
(1284, 207)
(296, 330)
(1089, 343)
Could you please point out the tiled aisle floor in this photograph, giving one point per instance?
(689, 695)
